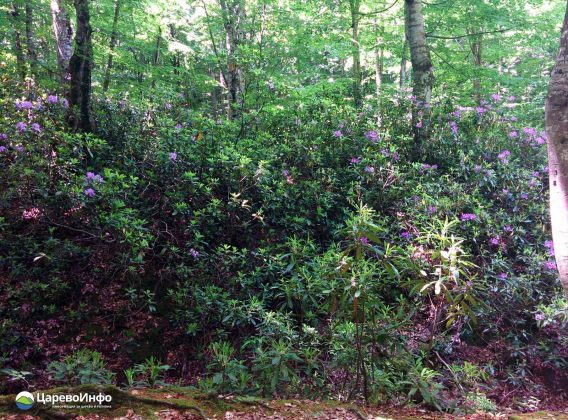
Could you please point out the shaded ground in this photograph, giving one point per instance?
(182, 403)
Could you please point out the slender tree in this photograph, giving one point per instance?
(63, 38)
(18, 49)
(354, 8)
(556, 112)
(80, 66)
(112, 45)
(30, 41)
(422, 73)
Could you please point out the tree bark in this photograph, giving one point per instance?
(63, 37)
(476, 52)
(354, 6)
(156, 59)
(112, 45)
(18, 49)
(556, 111)
(422, 73)
(30, 41)
(403, 61)
(80, 67)
(233, 16)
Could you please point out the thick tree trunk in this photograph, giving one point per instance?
(80, 66)
(557, 131)
(30, 41)
(112, 45)
(63, 37)
(422, 73)
(18, 49)
(354, 6)
(403, 61)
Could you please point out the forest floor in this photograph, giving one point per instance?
(181, 403)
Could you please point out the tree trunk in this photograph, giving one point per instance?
(156, 59)
(556, 112)
(354, 6)
(403, 61)
(476, 52)
(18, 49)
(80, 67)
(30, 41)
(63, 37)
(422, 73)
(112, 45)
(233, 14)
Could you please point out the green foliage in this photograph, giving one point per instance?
(82, 367)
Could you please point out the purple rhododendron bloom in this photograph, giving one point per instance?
(21, 126)
(503, 276)
(52, 99)
(549, 245)
(372, 135)
(508, 229)
(355, 160)
(550, 265)
(36, 127)
(3, 136)
(514, 134)
(194, 253)
(24, 105)
(406, 235)
(337, 133)
(364, 240)
(173, 156)
(3, 149)
(454, 127)
(504, 156)
(370, 169)
(496, 97)
(467, 216)
(19, 148)
(89, 192)
(495, 241)
(178, 126)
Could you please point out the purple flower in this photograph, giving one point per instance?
(503, 276)
(337, 133)
(52, 99)
(173, 156)
(21, 126)
(529, 131)
(65, 103)
(513, 118)
(19, 148)
(549, 245)
(481, 110)
(454, 127)
(432, 209)
(89, 192)
(477, 168)
(355, 160)
(23, 105)
(372, 135)
(495, 241)
(539, 317)
(467, 216)
(194, 253)
(550, 265)
(364, 240)
(370, 169)
(168, 106)
(540, 141)
(514, 134)
(419, 124)
(405, 235)
(504, 156)
(178, 126)
(524, 196)
(3, 149)
(496, 97)
(93, 178)
(508, 229)
(511, 98)
(36, 127)
(3, 136)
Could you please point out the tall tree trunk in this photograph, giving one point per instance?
(556, 112)
(112, 45)
(156, 59)
(403, 61)
(233, 15)
(80, 66)
(30, 41)
(476, 52)
(63, 37)
(18, 49)
(354, 6)
(379, 31)
(422, 73)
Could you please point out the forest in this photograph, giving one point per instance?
(268, 209)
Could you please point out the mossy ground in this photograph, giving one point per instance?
(185, 403)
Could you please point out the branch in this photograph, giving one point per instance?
(468, 35)
(377, 12)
